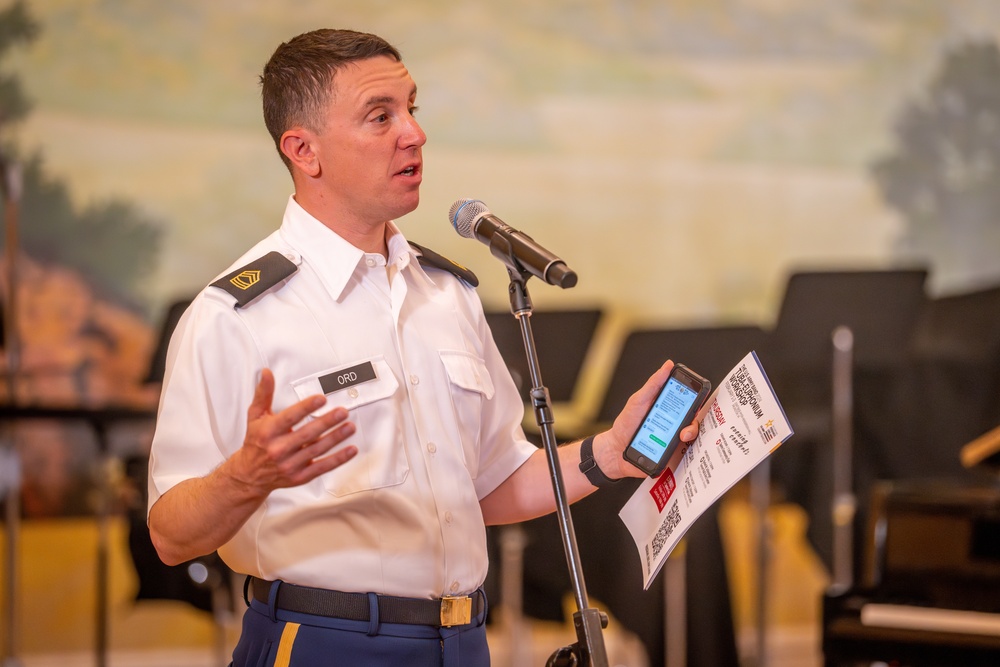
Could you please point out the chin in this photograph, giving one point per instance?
(407, 207)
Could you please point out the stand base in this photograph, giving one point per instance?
(589, 623)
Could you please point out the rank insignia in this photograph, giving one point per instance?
(249, 282)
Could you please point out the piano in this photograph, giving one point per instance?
(929, 591)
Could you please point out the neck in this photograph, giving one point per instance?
(362, 234)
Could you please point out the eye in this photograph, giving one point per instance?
(413, 110)
(381, 118)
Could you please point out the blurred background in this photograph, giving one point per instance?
(686, 158)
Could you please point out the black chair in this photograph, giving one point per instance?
(949, 392)
(612, 568)
(157, 363)
(203, 582)
(945, 396)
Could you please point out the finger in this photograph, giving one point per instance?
(689, 433)
(335, 458)
(655, 382)
(287, 445)
(263, 395)
(327, 431)
(324, 464)
(306, 456)
(295, 413)
(316, 427)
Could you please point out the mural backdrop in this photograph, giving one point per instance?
(682, 156)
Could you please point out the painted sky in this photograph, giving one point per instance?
(681, 156)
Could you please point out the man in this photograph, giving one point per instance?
(383, 433)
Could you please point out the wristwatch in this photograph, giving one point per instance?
(589, 467)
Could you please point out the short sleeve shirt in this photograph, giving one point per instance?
(438, 417)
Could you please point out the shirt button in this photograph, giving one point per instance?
(448, 517)
(414, 379)
(352, 392)
(370, 261)
(454, 587)
(431, 447)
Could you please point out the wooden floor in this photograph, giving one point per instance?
(56, 604)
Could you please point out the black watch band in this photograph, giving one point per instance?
(589, 467)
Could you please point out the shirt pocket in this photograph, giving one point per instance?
(471, 385)
(381, 458)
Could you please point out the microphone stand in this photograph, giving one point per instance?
(589, 649)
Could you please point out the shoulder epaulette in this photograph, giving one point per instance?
(434, 260)
(249, 282)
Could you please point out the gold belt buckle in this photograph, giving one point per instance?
(456, 610)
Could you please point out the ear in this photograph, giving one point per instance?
(298, 145)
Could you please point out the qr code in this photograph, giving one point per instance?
(666, 528)
(767, 433)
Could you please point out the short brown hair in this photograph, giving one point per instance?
(297, 81)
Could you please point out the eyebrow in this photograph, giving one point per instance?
(378, 100)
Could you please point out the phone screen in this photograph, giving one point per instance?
(664, 420)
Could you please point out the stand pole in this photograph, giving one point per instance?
(10, 179)
(760, 499)
(10, 486)
(589, 649)
(675, 606)
(844, 500)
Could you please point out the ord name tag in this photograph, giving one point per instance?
(347, 377)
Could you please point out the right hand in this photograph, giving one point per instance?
(274, 455)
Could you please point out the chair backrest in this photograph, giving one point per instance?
(158, 361)
(562, 341)
(960, 327)
(709, 351)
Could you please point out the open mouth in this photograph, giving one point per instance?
(409, 171)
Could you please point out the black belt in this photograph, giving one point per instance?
(445, 612)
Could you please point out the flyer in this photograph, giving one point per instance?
(742, 425)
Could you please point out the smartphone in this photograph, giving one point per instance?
(659, 434)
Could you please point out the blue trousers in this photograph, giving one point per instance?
(275, 638)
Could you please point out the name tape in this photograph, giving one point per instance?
(347, 377)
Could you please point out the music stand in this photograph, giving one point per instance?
(880, 307)
(710, 351)
(880, 310)
(563, 339)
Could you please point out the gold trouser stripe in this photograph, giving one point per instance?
(284, 657)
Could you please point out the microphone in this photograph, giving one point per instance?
(473, 220)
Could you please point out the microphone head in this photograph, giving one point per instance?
(463, 216)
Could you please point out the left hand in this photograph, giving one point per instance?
(610, 445)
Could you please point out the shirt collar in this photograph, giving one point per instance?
(406, 257)
(334, 259)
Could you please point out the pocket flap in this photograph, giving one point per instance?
(468, 372)
(350, 396)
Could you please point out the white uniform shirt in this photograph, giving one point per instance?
(437, 430)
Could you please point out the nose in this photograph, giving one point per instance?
(412, 135)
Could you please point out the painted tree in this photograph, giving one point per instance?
(944, 177)
(111, 243)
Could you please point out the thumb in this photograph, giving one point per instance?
(263, 395)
